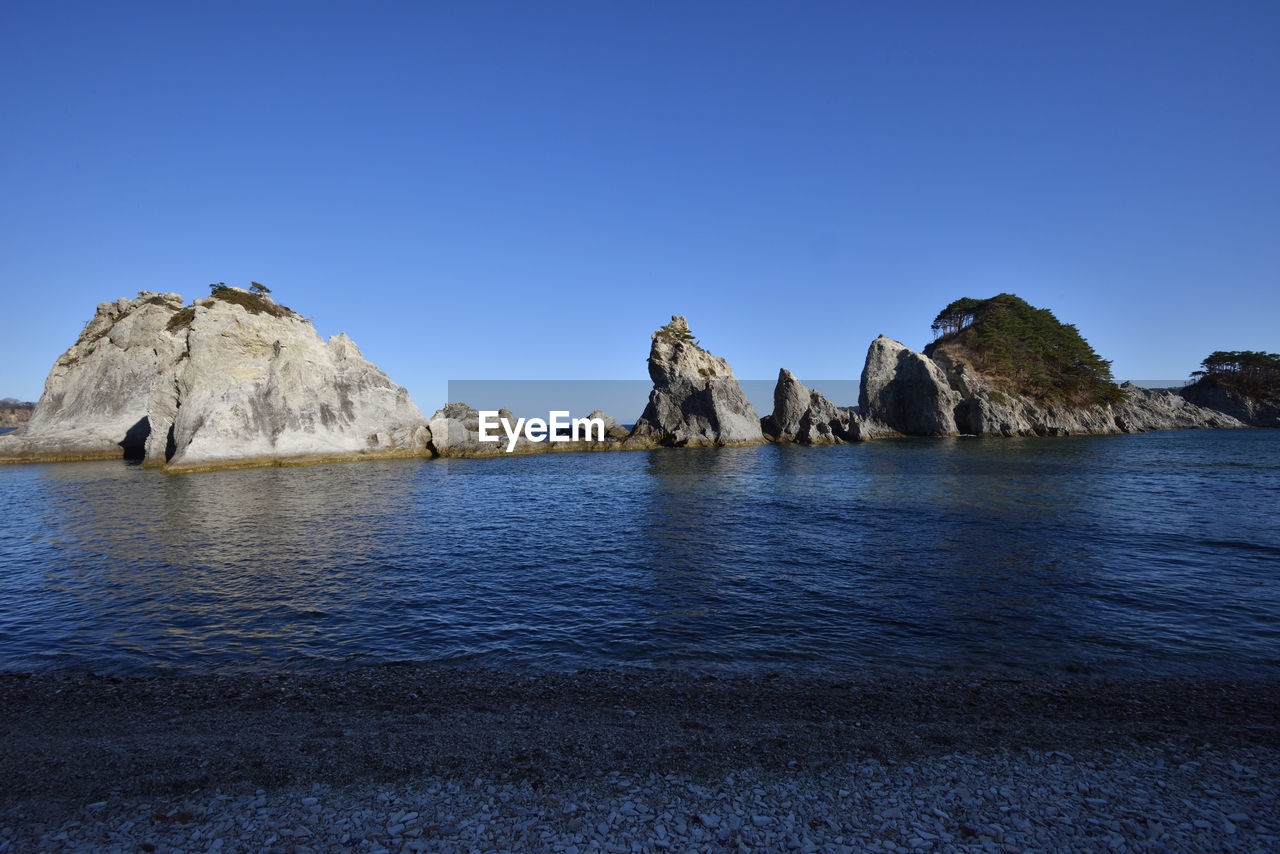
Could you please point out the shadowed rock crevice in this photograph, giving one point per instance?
(134, 443)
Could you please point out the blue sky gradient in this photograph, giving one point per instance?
(527, 190)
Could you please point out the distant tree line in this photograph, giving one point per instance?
(1007, 338)
(1252, 373)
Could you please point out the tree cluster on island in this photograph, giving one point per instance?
(1252, 373)
(1026, 349)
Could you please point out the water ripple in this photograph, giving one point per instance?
(1154, 553)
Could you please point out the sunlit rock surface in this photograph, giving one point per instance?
(804, 416)
(696, 400)
(224, 382)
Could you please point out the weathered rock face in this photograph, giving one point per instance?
(905, 393)
(254, 386)
(1165, 409)
(215, 385)
(804, 416)
(94, 404)
(1257, 413)
(696, 400)
(985, 410)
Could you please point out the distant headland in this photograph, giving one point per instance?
(237, 380)
(14, 413)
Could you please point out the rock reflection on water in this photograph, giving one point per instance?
(226, 567)
(1153, 552)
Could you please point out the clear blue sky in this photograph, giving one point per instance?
(526, 190)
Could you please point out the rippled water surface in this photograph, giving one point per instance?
(1158, 552)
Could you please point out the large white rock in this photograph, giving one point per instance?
(95, 400)
(231, 380)
(696, 399)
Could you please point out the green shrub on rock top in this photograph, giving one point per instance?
(254, 301)
(678, 330)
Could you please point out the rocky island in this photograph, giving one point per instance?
(235, 379)
(230, 380)
(1242, 383)
(696, 400)
(1002, 367)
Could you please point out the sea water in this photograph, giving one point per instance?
(1156, 553)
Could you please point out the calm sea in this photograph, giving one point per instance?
(1157, 552)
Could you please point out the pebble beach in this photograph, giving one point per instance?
(417, 758)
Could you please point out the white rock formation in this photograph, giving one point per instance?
(696, 399)
(612, 429)
(95, 400)
(232, 380)
(455, 432)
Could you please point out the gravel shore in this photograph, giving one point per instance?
(409, 758)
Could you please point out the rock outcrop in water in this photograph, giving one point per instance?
(987, 410)
(455, 432)
(96, 396)
(232, 380)
(612, 429)
(804, 416)
(1255, 412)
(1165, 409)
(907, 393)
(904, 393)
(1002, 367)
(696, 400)
(235, 379)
